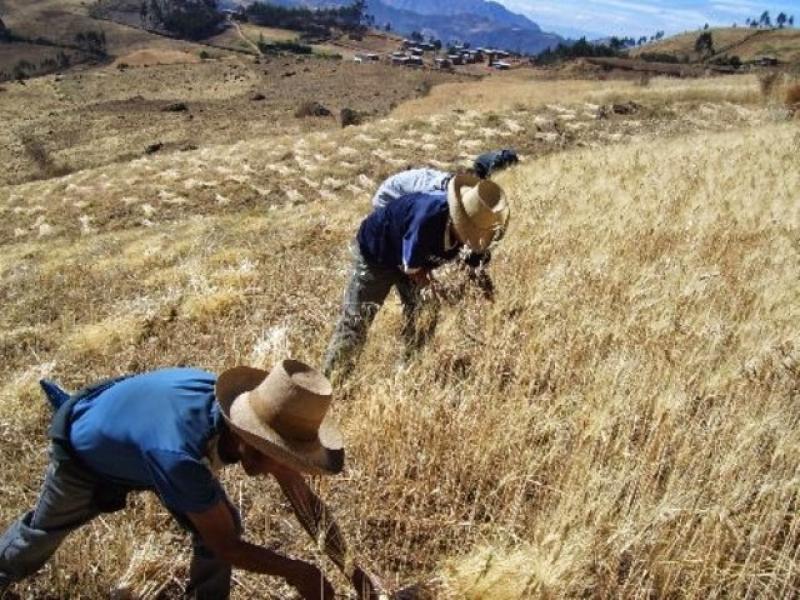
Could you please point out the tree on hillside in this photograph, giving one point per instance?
(781, 20)
(191, 19)
(765, 19)
(93, 42)
(791, 21)
(704, 45)
(417, 37)
(312, 22)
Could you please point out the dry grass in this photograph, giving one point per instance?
(748, 44)
(505, 91)
(622, 422)
(739, 89)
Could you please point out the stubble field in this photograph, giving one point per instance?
(621, 422)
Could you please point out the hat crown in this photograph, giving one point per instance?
(293, 400)
(478, 209)
(484, 204)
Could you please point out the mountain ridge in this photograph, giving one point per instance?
(478, 22)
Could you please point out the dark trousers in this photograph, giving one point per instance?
(366, 292)
(66, 502)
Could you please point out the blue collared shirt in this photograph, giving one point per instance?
(410, 233)
(154, 430)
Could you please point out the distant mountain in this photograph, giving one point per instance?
(479, 22)
(463, 27)
(492, 11)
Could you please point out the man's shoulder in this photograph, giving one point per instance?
(170, 376)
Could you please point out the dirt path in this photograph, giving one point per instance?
(246, 39)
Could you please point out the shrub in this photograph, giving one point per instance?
(311, 109)
(659, 57)
(424, 88)
(349, 117)
(93, 42)
(291, 47)
(38, 153)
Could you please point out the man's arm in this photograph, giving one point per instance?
(217, 529)
(317, 520)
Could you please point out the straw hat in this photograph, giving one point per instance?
(478, 209)
(283, 414)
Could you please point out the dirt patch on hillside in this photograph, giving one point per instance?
(152, 57)
(102, 116)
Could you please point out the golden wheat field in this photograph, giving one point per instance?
(623, 422)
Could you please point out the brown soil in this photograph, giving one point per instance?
(154, 57)
(100, 116)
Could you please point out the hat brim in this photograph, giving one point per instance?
(478, 239)
(322, 456)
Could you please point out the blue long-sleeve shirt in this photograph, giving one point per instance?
(410, 233)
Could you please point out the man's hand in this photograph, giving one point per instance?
(367, 586)
(311, 583)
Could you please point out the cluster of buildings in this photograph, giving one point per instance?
(413, 54)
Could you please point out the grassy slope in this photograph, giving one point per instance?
(656, 358)
(625, 415)
(745, 43)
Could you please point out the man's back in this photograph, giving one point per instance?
(153, 430)
(408, 182)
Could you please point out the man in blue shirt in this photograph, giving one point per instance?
(400, 243)
(170, 431)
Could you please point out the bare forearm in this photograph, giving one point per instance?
(258, 559)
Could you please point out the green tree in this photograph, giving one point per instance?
(704, 45)
(190, 19)
(765, 19)
(781, 20)
(92, 42)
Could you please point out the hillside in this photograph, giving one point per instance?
(621, 422)
(748, 44)
(478, 22)
(464, 27)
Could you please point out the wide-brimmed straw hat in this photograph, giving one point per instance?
(478, 209)
(283, 414)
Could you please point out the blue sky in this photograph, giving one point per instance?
(643, 17)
